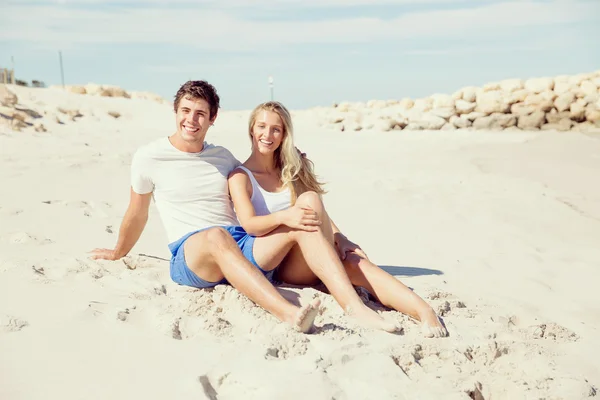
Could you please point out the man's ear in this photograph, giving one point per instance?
(214, 118)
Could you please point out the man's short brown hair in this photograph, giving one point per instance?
(195, 90)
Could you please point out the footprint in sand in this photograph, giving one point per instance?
(551, 331)
(99, 309)
(26, 238)
(185, 327)
(286, 345)
(11, 212)
(89, 208)
(10, 323)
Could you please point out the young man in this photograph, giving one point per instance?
(187, 178)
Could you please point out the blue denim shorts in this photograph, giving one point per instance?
(183, 275)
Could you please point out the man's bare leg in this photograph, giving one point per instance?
(322, 259)
(213, 254)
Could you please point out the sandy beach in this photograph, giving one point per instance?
(498, 230)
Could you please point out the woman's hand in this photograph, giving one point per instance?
(344, 246)
(301, 218)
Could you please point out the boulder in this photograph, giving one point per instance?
(533, 121)
(448, 127)
(77, 89)
(522, 109)
(539, 85)
(376, 104)
(577, 111)
(442, 101)
(555, 117)
(444, 112)
(423, 105)
(491, 102)
(588, 88)
(460, 122)
(564, 101)
(425, 121)
(518, 96)
(472, 116)
(563, 125)
(563, 87)
(592, 115)
(511, 85)
(542, 101)
(495, 121)
(93, 89)
(469, 93)
(464, 107)
(406, 103)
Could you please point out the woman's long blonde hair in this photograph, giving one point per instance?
(297, 172)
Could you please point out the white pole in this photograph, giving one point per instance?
(271, 86)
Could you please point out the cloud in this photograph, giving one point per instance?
(199, 28)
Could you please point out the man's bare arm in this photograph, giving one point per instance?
(131, 228)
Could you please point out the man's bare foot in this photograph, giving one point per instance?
(368, 318)
(303, 320)
(431, 326)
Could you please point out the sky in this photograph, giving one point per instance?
(319, 52)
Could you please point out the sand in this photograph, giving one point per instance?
(499, 231)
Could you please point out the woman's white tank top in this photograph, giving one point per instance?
(264, 202)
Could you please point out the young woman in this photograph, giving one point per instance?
(264, 191)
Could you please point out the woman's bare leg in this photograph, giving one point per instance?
(392, 293)
(322, 259)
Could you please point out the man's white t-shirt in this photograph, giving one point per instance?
(189, 189)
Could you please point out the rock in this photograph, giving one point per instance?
(540, 101)
(522, 109)
(491, 86)
(406, 104)
(114, 114)
(384, 125)
(539, 85)
(587, 127)
(563, 125)
(7, 98)
(464, 107)
(577, 111)
(343, 107)
(77, 89)
(588, 88)
(576, 80)
(113, 91)
(517, 96)
(563, 87)
(423, 105)
(592, 115)
(376, 104)
(445, 112)
(448, 127)
(442, 101)
(460, 122)
(511, 85)
(564, 101)
(93, 89)
(495, 121)
(469, 93)
(472, 116)
(425, 121)
(554, 117)
(533, 121)
(491, 102)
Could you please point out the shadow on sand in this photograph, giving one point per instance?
(409, 271)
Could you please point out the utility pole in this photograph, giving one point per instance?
(271, 86)
(62, 73)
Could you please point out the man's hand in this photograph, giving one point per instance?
(104, 254)
(345, 246)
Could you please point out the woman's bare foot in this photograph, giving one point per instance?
(431, 326)
(303, 320)
(370, 319)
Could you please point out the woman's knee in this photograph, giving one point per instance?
(311, 199)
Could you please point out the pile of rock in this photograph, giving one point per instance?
(562, 103)
(17, 117)
(94, 89)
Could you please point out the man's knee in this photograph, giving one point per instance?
(311, 199)
(211, 239)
